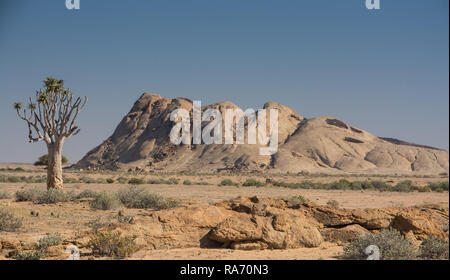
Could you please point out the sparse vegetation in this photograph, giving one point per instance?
(52, 196)
(333, 203)
(404, 186)
(105, 201)
(87, 194)
(8, 222)
(434, 248)
(5, 194)
(298, 199)
(113, 244)
(392, 245)
(253, 182)
(52, 239)
(97, 224)
(228, 182)
(43, 160)
(28, 255)
(136, 181)
(122, 180)
(135, 197)
(28, 194)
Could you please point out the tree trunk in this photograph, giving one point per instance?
(54, 168)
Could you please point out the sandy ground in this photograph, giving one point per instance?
(211, 194)
(326, 251)
(72, 217)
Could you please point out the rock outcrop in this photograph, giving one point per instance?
(323, 144)
(267, 223)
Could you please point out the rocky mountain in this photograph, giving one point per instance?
(323, 144)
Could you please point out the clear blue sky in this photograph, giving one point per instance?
(384, 71)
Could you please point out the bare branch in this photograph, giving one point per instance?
(51, 117)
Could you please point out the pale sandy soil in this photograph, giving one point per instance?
(70, 218)
(212, 194)
(326, 251)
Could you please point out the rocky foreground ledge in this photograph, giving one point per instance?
(253, 223)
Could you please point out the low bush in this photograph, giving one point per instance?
(28, 194)
(13, 179)
(87, 180)
(298, 199)
(171, 181)
(97, 224)
(105, 201)
(113, 244)
(53, 196)
(392, 245)
(28, 256)
(39, 196)
(136, 181)
(187, 182)
(122, 180)
(228, 182)
(5, 194)
(43, 160)
(333, 203)
(135, 197)
(110, 181)
(52, 239)
(87, 194)
(253, 182)
(8, 222)
(434, 248)
(404, 186)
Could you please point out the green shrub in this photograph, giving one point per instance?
(52, 239)
(404, 186)
(53, 196)
(136, 181)
(155, 181)
(187, 182)
(253, 182)
(43, 160)
(13, 179)
(105, 201)
(70, 180)
(100, 181)
(97, 224)
(171, 181)
(298, 199)
(28, 256)
(87, 194)
(39, 196)
(202, 183)
(122, 180)
(227, 182)
(5, 194)
(87, 180)
(392, 245)
(134, 197)
(28, 194)
(113, 244)
(110, 180)
(8, 222)
(439, 187)
(333, 203)
(434, 248)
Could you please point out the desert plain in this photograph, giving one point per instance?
(205, 195)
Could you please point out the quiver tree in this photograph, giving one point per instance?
(51, 118)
